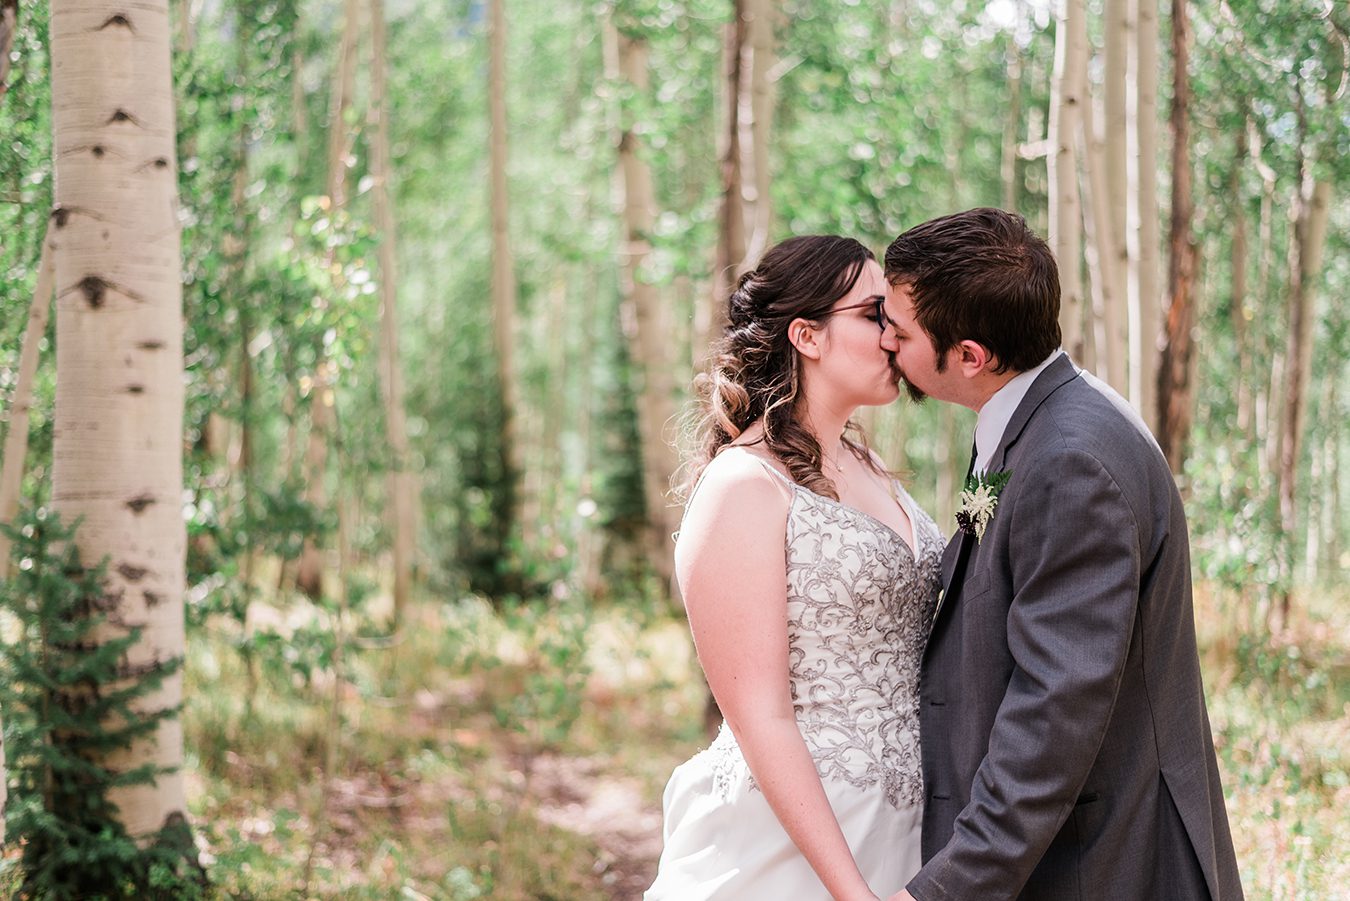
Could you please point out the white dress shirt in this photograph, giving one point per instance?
(998, 410)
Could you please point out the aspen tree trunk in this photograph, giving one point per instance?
(185, 31)
(503, 275)
(299, 111)
(1066, 231)
(1332, 520)
(589, 576)
(117, 454)
(322, 416)
(1110, 335)
(759, 204)
(730, 209)
(554, 416)
(1174, 371)
(401, 512)
(1237, 307)
(16, 437)
(9, 24)
(1143, 231)
(1011, 124)
(645, 316)
(344, 86)
(238, 454)
(1118, 37)
(1310, 230)
(1267, 419)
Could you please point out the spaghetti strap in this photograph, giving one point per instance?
(773, 469)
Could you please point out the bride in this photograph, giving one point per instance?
(810, 578)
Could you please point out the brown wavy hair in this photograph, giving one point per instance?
(754, 371)
(981, 275)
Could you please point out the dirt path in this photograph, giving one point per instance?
(575, 793)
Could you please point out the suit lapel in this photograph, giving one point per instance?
(954, 560)
(1050, 380)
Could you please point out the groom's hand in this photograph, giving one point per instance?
(902, 895)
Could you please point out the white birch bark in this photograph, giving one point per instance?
(1066, 231)
(401, 513)
(1143, 231)
(117, 455)
(16, 437)
(645, 317)
(1118, 37)
(503, 274)
(1011, 123)
(1310, 229)
(757, 167)
(710, 316)
(9, 24)
(322, 412)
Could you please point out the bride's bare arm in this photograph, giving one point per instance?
(731, 568)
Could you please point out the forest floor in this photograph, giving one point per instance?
(520, 753)
(510, 755)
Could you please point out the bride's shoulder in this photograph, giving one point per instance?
(741, 481)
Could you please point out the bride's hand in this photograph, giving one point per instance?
(902, 895)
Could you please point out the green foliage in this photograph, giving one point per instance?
(70, 696)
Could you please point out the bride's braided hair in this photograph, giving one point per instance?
(754, 371)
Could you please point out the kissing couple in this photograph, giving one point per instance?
(1016, 712)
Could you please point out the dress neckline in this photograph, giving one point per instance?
(897, 490)
(863, 514)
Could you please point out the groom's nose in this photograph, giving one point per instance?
(890, 342)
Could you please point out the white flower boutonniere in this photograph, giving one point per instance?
(979, 500)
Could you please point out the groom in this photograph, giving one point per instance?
(1066, 746)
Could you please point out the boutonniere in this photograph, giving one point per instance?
(979, 500)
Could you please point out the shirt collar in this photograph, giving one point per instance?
(999, 409)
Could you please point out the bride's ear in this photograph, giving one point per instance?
(805, 337)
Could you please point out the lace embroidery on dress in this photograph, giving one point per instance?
(859, 606)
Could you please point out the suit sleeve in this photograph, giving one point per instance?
(1074, 551)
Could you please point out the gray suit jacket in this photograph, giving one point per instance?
(1066, 745)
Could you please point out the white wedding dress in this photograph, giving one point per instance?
(859, 606)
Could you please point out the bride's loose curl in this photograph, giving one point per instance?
(754, 372)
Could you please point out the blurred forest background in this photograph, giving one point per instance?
(447, 271)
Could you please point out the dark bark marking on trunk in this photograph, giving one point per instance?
(97, 151)
(138, 504)
(131, 573)
(94, 289)
(151, 345)
(152, 598)
(122, 115)
(117, 19)
(60, 216)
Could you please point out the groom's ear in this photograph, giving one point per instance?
(973, 358)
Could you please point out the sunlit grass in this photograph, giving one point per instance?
(442, 738)
(467, 749)
(1280, 708)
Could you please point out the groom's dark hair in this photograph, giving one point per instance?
(981, 275)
